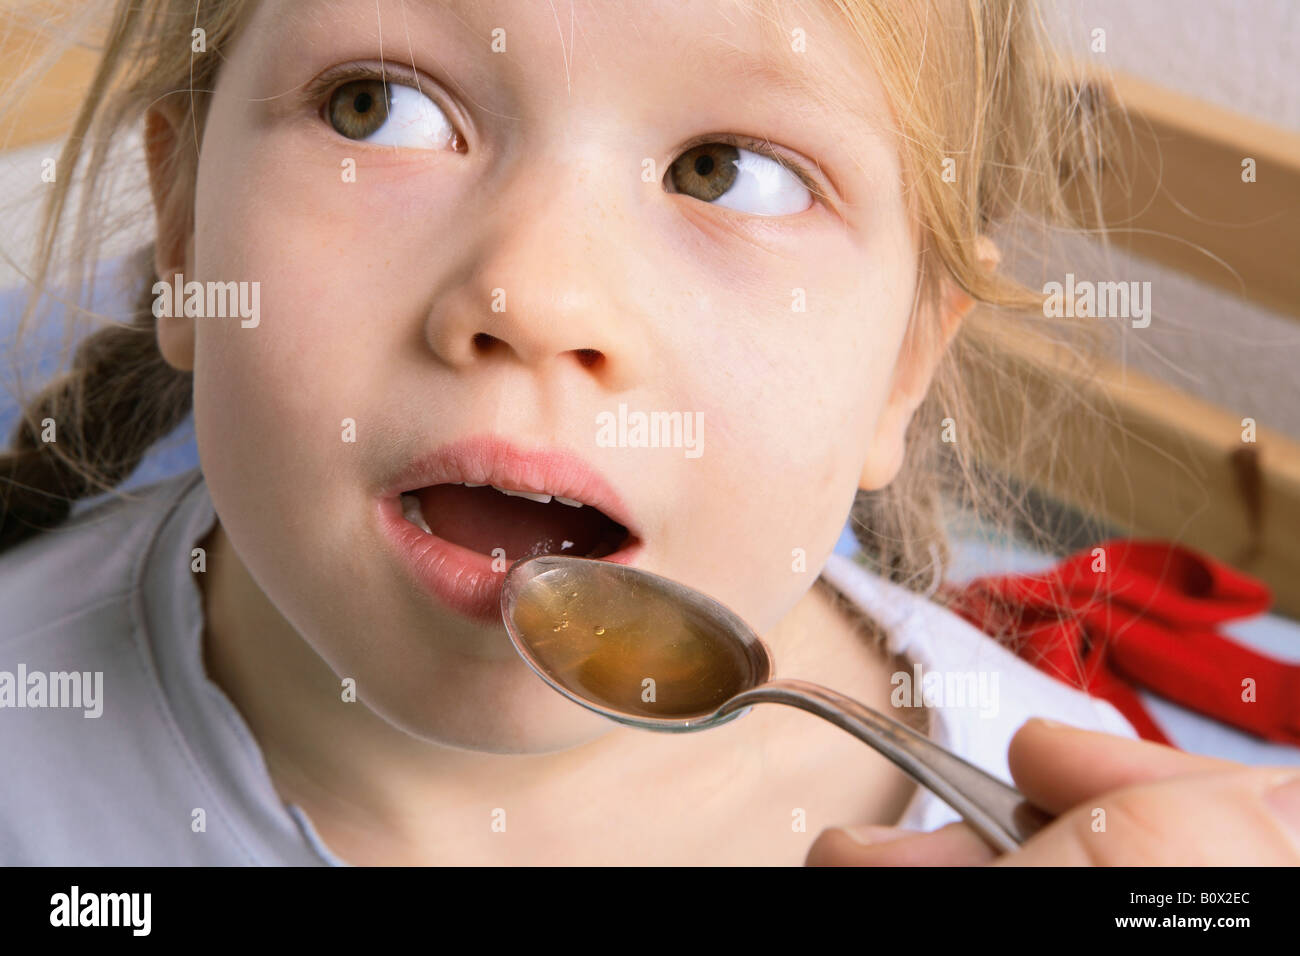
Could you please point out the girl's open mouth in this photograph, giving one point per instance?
(462, 513)
(491, 521)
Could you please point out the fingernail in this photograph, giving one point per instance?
(1284, 801)
(870, 834)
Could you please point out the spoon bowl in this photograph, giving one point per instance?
(649, 652)
(632, 646)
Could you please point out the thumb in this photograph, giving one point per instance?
(1057, 767)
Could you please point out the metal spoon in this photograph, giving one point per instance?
(648, 652)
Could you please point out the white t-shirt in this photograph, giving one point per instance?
(168, 773)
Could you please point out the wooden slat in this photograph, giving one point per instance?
(1165, 464)
(1174, 192)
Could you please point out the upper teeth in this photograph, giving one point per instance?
(411, 503)
(538, 496)
(530, 495)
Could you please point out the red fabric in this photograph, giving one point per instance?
(1149, 619)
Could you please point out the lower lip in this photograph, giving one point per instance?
(461, 579)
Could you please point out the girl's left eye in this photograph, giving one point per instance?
(740, 179)
(389, 114)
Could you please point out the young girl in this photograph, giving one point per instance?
(411, 261)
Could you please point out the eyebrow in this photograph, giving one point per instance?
(788, 79)
(792, 81)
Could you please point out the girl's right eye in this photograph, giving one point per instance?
(389, 114)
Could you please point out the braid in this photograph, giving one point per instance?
(120, 398)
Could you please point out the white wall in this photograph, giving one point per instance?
(1239, 54)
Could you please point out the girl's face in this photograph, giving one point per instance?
(481, 283)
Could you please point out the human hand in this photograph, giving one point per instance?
(1116, 802)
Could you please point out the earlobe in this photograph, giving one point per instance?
(176, 343)
(885, 458)
(916, 364)
(914, 368)
(176, 333)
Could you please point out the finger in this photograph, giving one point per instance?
(1057, 767)
(953, 845)
(1206, 819)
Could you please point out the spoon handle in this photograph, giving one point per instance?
(997, 812)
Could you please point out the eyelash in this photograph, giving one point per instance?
(326, 83)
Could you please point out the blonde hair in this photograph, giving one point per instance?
(972, 81)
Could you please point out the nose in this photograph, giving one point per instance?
(543, 282)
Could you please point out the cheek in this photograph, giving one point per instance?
(790, 401)
(270, 400)
(331, 305)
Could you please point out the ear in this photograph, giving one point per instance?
(171, 182)
(927, 339)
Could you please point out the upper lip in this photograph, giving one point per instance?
(488, 459)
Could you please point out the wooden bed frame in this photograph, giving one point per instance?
(1170, 465)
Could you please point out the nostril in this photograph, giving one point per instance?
(483, 342)
(588, 358)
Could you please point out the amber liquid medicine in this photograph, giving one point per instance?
(630, 651)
